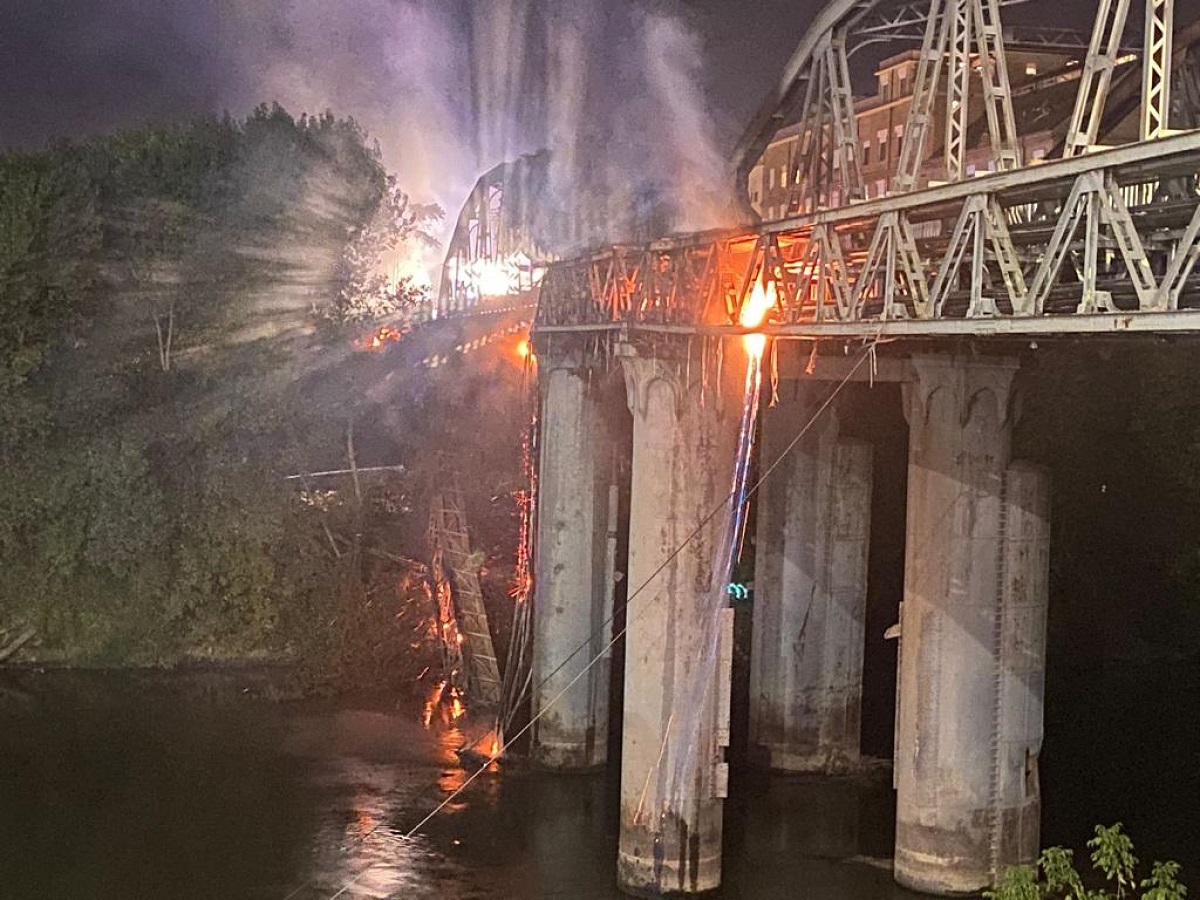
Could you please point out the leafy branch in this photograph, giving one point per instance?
(1055, 877)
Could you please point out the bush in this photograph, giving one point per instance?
(1055, 875)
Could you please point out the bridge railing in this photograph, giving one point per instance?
(1112, 232)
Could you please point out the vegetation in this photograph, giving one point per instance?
(1055, 875)
(174, 342)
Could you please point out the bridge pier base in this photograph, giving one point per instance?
(972, 656)
(672, 769)
(810, 591)
(573, 598)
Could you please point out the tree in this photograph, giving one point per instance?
(365, 292)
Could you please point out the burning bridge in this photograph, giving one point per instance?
(996, 191)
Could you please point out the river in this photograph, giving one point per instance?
(137, 785)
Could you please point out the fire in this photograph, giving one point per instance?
(500, 276)
(432, 702)
(493, 278)
(375, 341)
(523, 348)
(754, 312)
(457, 707)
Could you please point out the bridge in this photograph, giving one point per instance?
(1060, 201)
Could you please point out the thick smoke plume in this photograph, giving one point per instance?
(613, 91)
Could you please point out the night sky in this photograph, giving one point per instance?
(71, 68)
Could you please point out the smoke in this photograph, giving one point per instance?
(450, 89)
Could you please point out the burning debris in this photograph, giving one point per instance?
(382, 336)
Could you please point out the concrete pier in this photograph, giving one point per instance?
(810, 590)
(684, 442)
(972, 633)
(572, 597)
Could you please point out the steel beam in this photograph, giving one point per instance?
(1156, 69)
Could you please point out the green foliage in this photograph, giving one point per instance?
(159, 293)
(49, 234)
(1112, 857)
(365, 293)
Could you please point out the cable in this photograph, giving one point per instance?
(720, 507)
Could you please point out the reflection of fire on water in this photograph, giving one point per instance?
(460, 751)
(449, 703)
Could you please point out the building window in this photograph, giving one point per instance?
(783, 176)
(1031, 69)
(885, 86)
(898, 131)
(880, 188)
(902, 83)
(771, 180)
(797, 179)
(881, 136)
(866, 156)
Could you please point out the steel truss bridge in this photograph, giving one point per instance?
(1104, 238)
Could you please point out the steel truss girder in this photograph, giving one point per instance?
(1156, 69)
(1103, 52)
(955, 30)
(824, 276)
(892, 262)
(873, 262)
(981, 218)
(829, 140)
(864, 22)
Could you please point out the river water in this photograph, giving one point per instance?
(150, 786)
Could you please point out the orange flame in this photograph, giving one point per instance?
(763, 298)
(375, 341)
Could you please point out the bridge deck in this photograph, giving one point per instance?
(1096, 244)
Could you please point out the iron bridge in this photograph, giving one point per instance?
(1102, 238)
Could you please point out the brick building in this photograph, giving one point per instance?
(1043, 82)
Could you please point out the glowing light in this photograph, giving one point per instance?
(523, 348)
(376, 340)
(753, 313)
(413, 267)
(431, 703)
(501, 276)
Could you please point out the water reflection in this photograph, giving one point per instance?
(115, 787)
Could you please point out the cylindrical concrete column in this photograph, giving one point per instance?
(684, 443)
(810, 590)
(570, 585)
(971, 657)
(1024, 598)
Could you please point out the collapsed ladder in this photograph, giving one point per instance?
(455, 572)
